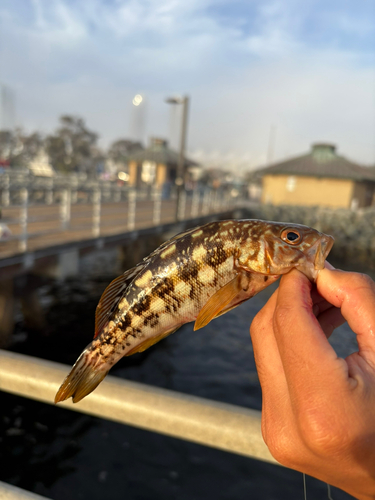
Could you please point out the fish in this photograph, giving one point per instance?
(197, 275)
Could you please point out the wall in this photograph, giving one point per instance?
(161, 174)
(364, 193)
(308, 191)
(132, 173)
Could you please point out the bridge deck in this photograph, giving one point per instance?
(45, 227)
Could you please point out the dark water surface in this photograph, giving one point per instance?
(68, 456)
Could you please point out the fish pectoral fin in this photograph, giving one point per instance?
(151, 341)
(219, 301)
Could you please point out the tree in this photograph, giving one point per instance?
(73, 147)
(18, 149)
(120, 149)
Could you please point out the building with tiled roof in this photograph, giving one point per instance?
(320, 178)
(155, 165)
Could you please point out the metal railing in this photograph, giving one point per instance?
(100, 214)
(10, 492)
(219, 425)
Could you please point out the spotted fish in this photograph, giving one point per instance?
(197, 275)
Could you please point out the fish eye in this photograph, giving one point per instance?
(291, 236)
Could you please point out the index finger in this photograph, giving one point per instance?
(307, 356)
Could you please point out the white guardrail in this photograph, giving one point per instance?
(219, 425)
(97, 205)
(10, 492)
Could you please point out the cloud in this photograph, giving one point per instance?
(302, 67)
(306, 99)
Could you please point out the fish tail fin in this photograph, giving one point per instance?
(83, 378)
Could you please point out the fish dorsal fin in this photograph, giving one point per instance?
(169, 242)
(219, 301)
(111, 297)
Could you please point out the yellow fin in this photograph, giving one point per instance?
(219, 301)
(82, 379)
(111, 296)
(151, 341)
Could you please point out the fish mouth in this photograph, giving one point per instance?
(324, 247)
(316, 257)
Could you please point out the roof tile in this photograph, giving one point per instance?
(322, 161)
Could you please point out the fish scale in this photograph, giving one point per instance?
(198, 275)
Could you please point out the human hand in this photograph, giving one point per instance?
(318, 412)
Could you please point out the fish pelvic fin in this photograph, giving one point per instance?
(83, 378)
(218, 302)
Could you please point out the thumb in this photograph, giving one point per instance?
(354, 294)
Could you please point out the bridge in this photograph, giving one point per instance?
(49, 236)
(39, 217)
(48, 229)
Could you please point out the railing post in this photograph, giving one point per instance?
(181, 200)
(157, 206)
(227, 200)
(65, 209)
(212, 201)
(73, 190)
(106, 192)
(132, 199)
(117, 194)
(195, 203)
(24, 194)
(49, 192)
(5, 198)
(96, 198)
(216, 201)
(73, 196)
(206, 201)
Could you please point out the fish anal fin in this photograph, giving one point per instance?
(151, 341)
(218, 302)
(111, 295)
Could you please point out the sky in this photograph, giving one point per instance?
(266, 78)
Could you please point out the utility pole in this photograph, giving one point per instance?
(180, 181)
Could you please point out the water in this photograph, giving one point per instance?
(68, 456)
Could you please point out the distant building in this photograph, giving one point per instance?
(320, 178)
(40, 166)
(116, 163)
(156, 165)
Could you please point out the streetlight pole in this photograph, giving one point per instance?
(180, 181)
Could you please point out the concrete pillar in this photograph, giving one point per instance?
(6, 311)
(33, 314)
(66, 265)
(133, 253)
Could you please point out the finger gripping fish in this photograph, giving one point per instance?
(197, 275)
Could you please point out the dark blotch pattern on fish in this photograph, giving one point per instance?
(215, 256)
(142, 306)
